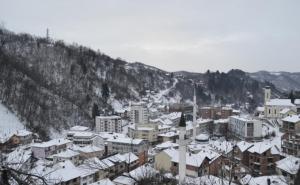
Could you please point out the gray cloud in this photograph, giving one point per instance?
(173, 35)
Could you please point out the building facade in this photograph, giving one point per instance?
(108, 124)
(139, 113)
(244, 128)
(291, 139)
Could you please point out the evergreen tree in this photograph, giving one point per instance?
(95, 111)
(182, 122)
(105, 91)
(292, 96)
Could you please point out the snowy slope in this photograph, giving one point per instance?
(9, 123)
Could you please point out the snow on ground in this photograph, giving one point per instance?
(9, 123)
(162, 95)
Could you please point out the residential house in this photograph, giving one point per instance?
(45, 149)
(288, 167)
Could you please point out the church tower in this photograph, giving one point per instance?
(267, 90)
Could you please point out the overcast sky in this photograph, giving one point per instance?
(173, 35)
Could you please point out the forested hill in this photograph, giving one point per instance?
(52, 85)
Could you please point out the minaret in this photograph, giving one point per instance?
(194, 115)
(182, 149)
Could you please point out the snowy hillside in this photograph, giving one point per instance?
(9, 123)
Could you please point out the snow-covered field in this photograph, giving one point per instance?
(9, 122)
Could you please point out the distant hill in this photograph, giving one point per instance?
(284, 81)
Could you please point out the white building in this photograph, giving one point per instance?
(147, 132)
(45, 149)
(139, 113)
(108, 124)
(124, 145)
(273, 107)
(85, 138)
(67, 155)
(245, 128)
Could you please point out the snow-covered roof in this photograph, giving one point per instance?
(129, 157)
(165, 145)
(243, 145)
(289, 164)
(66, 154)
(221, 121)
(53, 142)
(145, 128)
(138, 173)
(111, 135)
(103, 182)
(280, 102)
(169, 134)
(226, 108)
(195, 160)
(163, 127)
(208, 179)
(18, 157)
(244, 118)
(201, 120)
(261, 147)
(260, 109)
(202, 137)
(221, 146)
(141, 171)
(126, 140)
(79, 128)
(297, 101)
(109, 117)
(263, 180)
(68, 173)
(88, 149)
(285, 110)
(172, 116)
(22, 133)
(84, 134)
(124, 180)
(292, 118)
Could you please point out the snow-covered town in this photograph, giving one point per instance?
(212, 144)
(139, 92)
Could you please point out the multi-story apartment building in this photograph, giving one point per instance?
(245, 128)
(147, 132)
(108, 124)
(139, 113)
(124, 145)
(291, 139)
